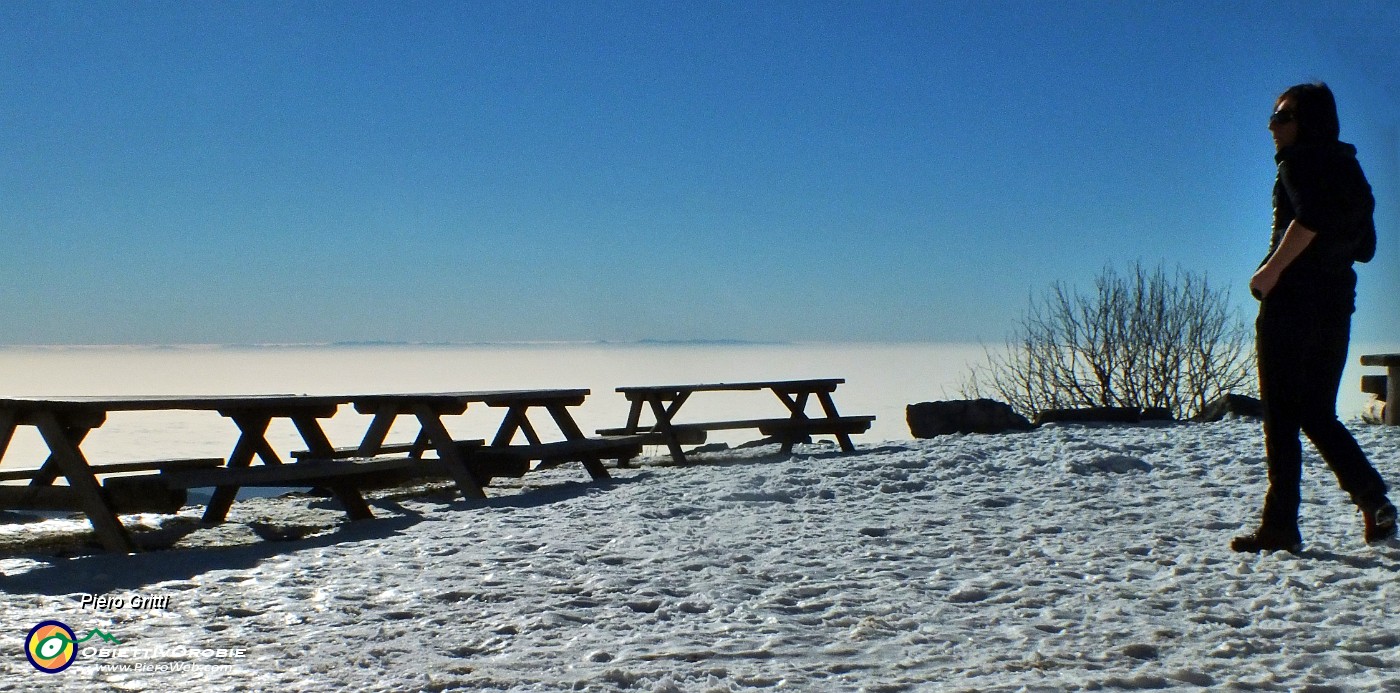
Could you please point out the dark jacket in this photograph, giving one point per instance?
(1322, 186)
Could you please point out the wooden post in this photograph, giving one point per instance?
(571, 431)
(1392, 396)
(70, 461)
(663, 424)
(251, 443)
(379, 427)
(447, 451)
(7, 430)
(829, 406)
(320, 446)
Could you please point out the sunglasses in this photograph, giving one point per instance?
(1282, 117)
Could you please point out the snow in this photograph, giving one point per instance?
(1071, 557)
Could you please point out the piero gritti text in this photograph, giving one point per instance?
(135, 602)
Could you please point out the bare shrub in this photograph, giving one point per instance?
(1147, 339)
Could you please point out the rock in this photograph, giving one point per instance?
(1157, 414)
(929, 419)
(1231, 404)
(1374, 412)
(1090, 415)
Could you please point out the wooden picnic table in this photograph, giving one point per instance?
(1389, 391)
(64, 423)
(665, 402)
(472, 463)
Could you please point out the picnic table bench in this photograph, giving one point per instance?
(64, 423)
(665, 402)
(1385, 387)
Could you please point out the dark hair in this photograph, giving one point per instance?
(1316, 112)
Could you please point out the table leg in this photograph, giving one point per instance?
(515, 420)
(251, 443)
(49, 471)
(798, 408)
(664, 416)
(1392, 396)
(441, 440)
(378, 430)
(347, 493)
(829, 407)
(634, 416)
(565, 421)
(7, 430)
(70, 461)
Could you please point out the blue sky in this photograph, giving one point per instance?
(236, 172)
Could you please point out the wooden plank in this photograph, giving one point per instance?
(1374, 385)
(845, 424)
(71, 419)
(122, 467)
(317, 442)
(7, 430)
(1392, 396)
(49, 473)
(451, 403)
(843, 438)
(664, 418)
(346, 453)
(685, 436)
(691, 428)
(534, 398)
(591, 461)
(123, 494)
(618, 447)
(441, 404)
(251, 443)
(450, 454)
(40, 498)
(1384, 360)
(790, 386)
(378, 431)
(299, 474)
(146, 493)
(67, 406)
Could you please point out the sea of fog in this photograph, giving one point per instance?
(881, 378)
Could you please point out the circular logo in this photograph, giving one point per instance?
(51, 647)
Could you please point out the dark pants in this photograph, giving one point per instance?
(1302, 343)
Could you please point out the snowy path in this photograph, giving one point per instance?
(1067, 558)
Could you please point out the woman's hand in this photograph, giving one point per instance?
(1263, 282)
(1295, 239)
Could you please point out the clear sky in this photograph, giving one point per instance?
(237, 172)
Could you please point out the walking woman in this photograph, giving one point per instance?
(1307, 290)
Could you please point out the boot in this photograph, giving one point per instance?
(1268, 538)
(1380, 522)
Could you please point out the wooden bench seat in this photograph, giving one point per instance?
(1375, 385)
(122, 467)
(694, 433)
(144, 493)
(352, 452)
(298, 474)
(686, 434)
(781, 428)
(620, 447)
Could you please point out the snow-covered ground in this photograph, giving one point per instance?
(1067, 558)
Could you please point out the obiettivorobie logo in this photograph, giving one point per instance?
(52, 646)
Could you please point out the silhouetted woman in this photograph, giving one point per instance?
(1307, 289)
